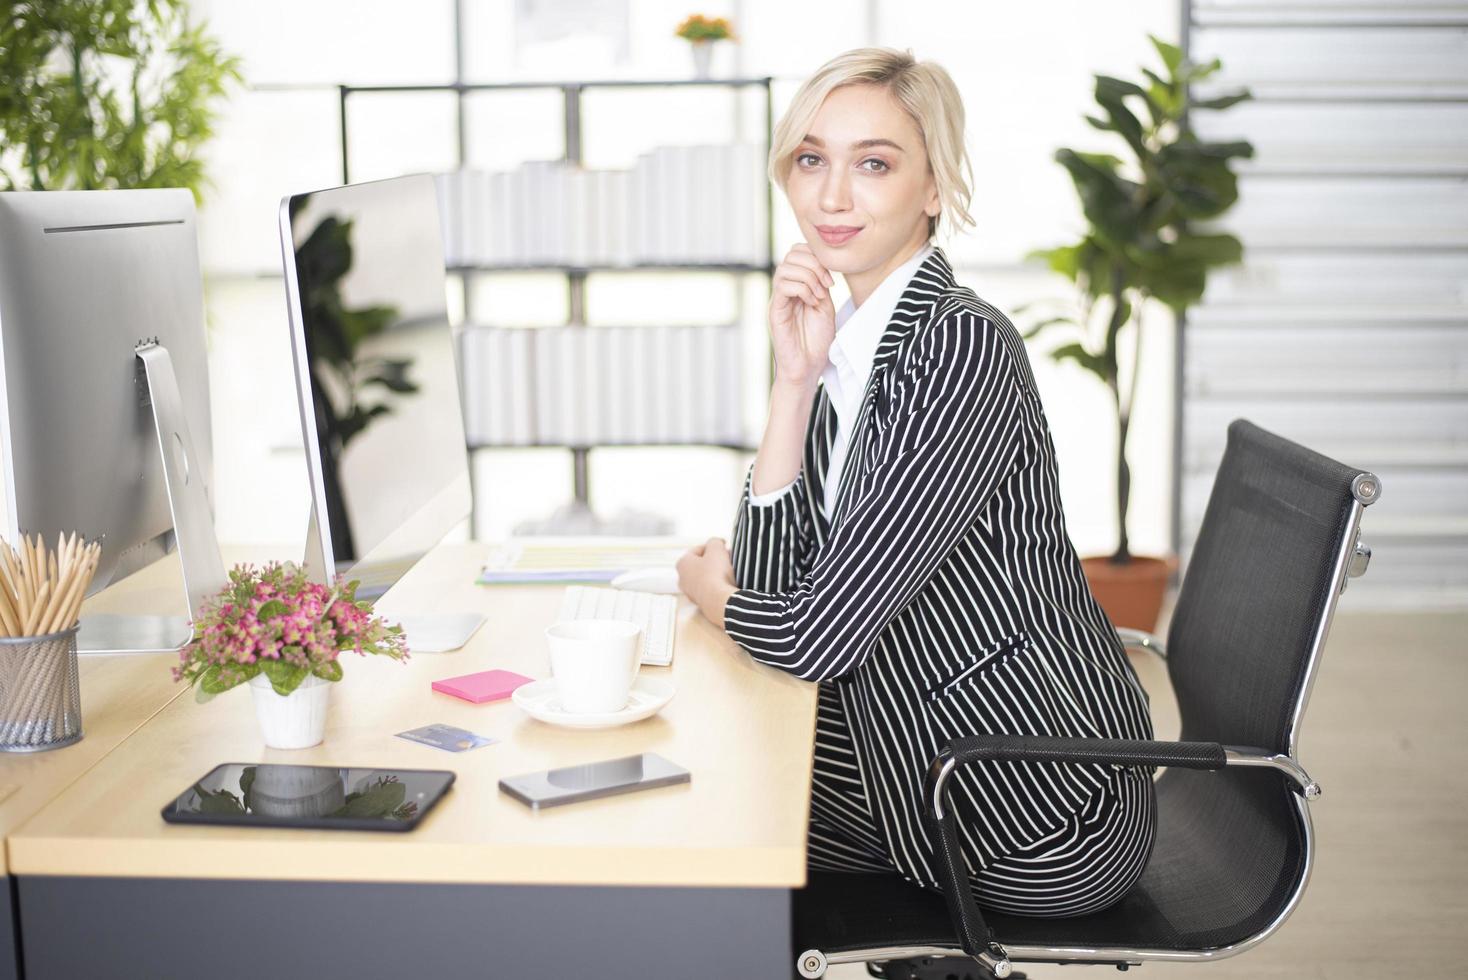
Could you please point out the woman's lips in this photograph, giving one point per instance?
(837, 234)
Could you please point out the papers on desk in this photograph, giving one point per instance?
(524, 563)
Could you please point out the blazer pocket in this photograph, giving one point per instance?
(991, 658)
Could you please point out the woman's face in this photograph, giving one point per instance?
(859, 183)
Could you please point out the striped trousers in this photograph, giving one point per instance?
(1087, 864)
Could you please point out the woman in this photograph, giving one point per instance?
(900, 540)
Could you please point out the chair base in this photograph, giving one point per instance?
(934, 968)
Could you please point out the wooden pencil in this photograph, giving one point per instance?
(37, 609)
(8, 614)
(75, 587)
(93, 560)
(14, 564)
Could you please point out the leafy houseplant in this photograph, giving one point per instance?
(106, 94)
(282, 633)
(1140, 243)
(701, 32)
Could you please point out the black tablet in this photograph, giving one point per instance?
(260, 795)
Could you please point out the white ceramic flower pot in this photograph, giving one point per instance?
(296, 721)
(703, 55)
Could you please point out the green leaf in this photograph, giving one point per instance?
(1224, 151)
(329, 671)
(1078, 354)
(1194, 73)
(1062, 259)
(1116, 87)
(1222, 102)
(1107, 198)
(284, 677)
(1171, 54)
(1220, 249)
(272, 609)
(215, 679)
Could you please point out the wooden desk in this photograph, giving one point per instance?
(627, 886)
(118, 695)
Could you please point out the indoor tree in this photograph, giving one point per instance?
(107, 94)
(1140, 242)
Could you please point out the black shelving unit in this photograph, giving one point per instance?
(576, 275)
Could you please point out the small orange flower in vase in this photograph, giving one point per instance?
(702, 32)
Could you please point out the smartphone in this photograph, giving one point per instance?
(553, 787)
(314, 797)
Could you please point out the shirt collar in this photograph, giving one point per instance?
(859, 330)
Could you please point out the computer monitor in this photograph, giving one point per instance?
(377, 379)
(92, 285)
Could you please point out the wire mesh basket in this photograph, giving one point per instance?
(40, 692)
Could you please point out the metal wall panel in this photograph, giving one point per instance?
(1346, 327)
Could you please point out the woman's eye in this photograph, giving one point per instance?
(880, 168)
(806, 156)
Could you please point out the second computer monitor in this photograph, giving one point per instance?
(376, 375)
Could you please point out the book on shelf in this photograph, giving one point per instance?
(675, 205)
(585, 386)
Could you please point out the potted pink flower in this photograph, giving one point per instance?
(282, 634)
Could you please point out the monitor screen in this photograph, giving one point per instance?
(376, 370)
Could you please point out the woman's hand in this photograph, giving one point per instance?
(706, 575)
(802, 318)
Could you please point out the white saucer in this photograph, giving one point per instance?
(539, 700)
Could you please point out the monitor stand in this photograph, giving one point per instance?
(123, 634)
(193, 526)
(426, 632)
(439, 632)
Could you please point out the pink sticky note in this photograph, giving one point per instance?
(487, 685)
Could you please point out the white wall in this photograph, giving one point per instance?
(1024, 71)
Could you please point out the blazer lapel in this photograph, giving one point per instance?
(819, 439)
(913, 311)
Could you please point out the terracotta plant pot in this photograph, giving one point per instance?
(1130, 594)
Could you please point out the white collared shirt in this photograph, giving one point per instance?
(858, 332)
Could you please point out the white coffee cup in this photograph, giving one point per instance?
(594, 663)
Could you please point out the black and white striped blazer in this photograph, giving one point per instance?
(943, 597)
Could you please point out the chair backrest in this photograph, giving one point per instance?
(1260, 588)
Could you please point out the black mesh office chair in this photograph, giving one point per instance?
(1279, 539)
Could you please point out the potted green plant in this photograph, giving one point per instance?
(282, 634)
(701, 32)
(107, 94)
(1140, 245)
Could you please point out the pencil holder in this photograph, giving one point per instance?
(40, 692)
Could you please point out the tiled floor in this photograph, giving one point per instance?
(1386, 735)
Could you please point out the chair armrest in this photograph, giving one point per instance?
(973, 932)
(1026, 748)
(1141, 640)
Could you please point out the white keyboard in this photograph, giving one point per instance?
(656, 614)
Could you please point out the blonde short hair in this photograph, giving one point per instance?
(923, 89)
